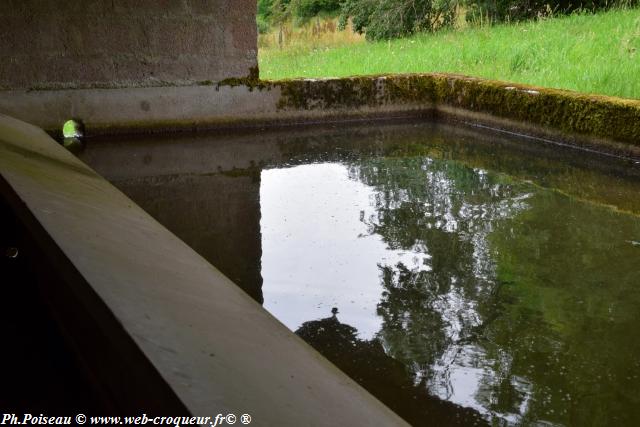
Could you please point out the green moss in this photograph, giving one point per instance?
(254, 73)
(569, 112)
(251, 81)
(350, 92)
(572, 114)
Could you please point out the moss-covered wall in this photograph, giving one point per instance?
(565, 111)
(592, 121)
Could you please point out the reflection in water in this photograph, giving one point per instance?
(317, 253)
(478, 279)
(416, 226)
(480, 290)
(386, 378)
(445, 211)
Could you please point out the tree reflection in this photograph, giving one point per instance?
(520, 302)
(443, 212)
(386, 378)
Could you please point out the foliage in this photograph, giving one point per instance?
(591, 53)
(277, 11)
(264, 8)
(387, 19)
(274, 11)
(306, 9)
(263, 24)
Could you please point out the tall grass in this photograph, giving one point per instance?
(318, 33)
(592, 53)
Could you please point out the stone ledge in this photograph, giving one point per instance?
(559, 114)
(596, 122)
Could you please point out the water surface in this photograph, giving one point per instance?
(463, 277)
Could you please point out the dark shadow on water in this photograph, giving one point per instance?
(387, 379)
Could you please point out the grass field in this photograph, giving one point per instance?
(592, 53)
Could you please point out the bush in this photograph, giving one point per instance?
(273, 11)
(264, 8)
(263, 24)
(306, 9)
(387, 19)
(279, 10)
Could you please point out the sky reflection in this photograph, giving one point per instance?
(317, 249)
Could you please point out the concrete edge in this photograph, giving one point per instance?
(168, 320)
(602, 123)
(605, 146)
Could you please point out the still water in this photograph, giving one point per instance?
(462, 277)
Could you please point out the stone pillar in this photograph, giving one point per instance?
(125, 43)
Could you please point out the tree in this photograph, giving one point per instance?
(387, 19)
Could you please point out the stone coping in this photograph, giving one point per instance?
(597, 122)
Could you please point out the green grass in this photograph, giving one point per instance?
(592, 53)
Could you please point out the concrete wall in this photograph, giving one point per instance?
(124, 43)
(595, 122)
